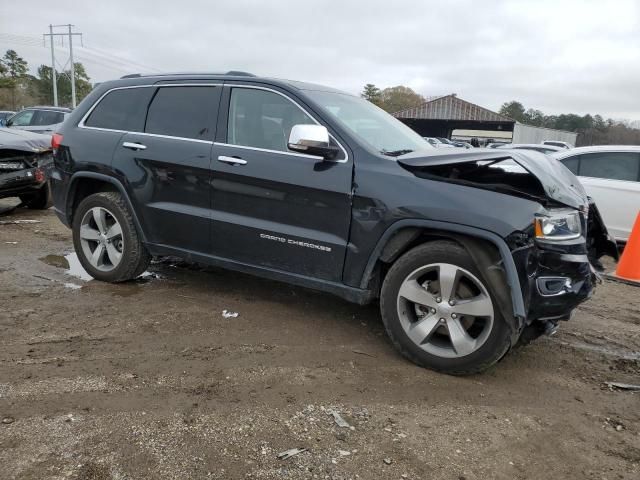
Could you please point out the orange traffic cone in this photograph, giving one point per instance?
(629, 265)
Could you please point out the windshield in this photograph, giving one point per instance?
(370, 124)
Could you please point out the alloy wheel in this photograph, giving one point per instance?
(101, 239)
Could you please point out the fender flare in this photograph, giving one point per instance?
(511, 272)
(105, 178)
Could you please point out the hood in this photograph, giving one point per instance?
(556, 181)
(24, 141)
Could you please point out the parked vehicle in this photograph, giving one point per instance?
(25, 163)
(557, 143)
(461, 144)
(437, 143)
(309, 185)
(38, 119)
(4, 114)
(611, 176)
(538, 147)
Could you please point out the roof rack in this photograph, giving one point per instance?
(230, 73)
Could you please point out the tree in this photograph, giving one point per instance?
(371, 93)
(13, 71)
(514, 110)
(534, 117)
(44, 84)
(395, 99)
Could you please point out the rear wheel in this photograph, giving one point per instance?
(41, 200)
(439, 313)
(106, 240)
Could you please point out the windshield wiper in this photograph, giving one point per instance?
(395, 153)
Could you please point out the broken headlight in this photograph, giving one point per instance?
(558, 225)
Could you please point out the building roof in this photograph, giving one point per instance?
(450, 107)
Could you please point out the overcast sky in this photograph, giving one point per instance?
(557, 56)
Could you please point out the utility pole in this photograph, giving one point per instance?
(69, 34)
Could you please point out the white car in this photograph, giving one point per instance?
(437, 143)
(611, 176)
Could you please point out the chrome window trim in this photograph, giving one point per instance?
(257, 87)
(81, 124)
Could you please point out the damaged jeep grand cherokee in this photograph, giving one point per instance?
(468, 252)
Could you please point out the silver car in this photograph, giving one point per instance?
(38, 119)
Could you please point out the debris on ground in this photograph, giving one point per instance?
(18, 222)
(8, 420)
(229, 314)
(341, 422)
(360, 352)
(387, 461)
(11, 243)
(344, 453)
(623, 386)
(290, 453)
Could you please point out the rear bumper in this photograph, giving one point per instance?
(20, 182)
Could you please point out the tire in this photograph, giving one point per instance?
(40, 200)
(401, 316)
(133, 257)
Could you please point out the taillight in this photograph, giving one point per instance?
(39, 175)
(56, 140)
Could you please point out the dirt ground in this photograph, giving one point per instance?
(149, 380)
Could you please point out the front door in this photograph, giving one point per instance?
(272, 207)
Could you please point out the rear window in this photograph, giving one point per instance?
(47, 117)
(122, 109)
(188, 112)
(572, 164)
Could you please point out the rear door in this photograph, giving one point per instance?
(273, 207)
(167, 165)
(612, 179)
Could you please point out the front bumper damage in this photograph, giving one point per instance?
(23, 172)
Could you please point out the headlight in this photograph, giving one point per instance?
(558, 225)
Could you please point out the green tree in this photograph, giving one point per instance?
(44, 84)
(395, 99)
(514, 110)
(372, 93)
(534, 117)
(13, 72)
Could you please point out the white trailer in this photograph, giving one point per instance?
(528, 134)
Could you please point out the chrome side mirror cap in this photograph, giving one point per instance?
(312, 140)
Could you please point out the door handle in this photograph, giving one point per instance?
(134, 146)
(232, 160)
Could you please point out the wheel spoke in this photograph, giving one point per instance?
(113, 254)
(88, 233)
(416, 293)
(97, 257)
(99, 216)
(114, 231)
(462, 342)
(421, 330)
(448, 277)
(479, 306)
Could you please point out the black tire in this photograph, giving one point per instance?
(498, 341)
(135, 256)
(41, 200)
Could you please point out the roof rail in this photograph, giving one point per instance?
(230, 73)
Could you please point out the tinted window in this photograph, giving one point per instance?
(47, 117)
(262, 119)
(123, 109)
(611, 165)
(188, 112)
(572, 163)
(22, 119)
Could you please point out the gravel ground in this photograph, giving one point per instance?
(149, 380)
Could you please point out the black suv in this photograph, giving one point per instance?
(469, 252)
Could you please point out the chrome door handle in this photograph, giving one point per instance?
(134, 146)
(232, 160)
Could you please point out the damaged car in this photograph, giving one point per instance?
(468, 252)
(25, 163)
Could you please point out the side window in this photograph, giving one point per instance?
(22, 119)
(572, 163)
(188, 112)
(611, 165)
(47, 117)
(262, 119)
(123, 109)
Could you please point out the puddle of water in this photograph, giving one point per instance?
(73, 267)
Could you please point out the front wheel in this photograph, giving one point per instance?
(439, 312)
(106, 240)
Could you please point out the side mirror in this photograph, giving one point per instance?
(4, 122)
(312, 140)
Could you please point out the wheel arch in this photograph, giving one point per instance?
(83, 184)
(406, 234)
